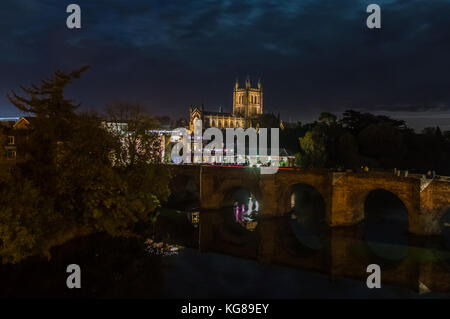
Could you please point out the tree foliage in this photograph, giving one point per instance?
(313, 149)
(69, 183)
(364, 139)
(133, 127)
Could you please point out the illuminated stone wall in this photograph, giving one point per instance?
(344, 194)
(247, 101)
(350, 191)
(434, 203)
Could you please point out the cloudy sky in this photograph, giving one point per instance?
(312, 55)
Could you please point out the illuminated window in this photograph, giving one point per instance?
(195, 219)
(11, 140)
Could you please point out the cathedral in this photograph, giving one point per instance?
(247, 109)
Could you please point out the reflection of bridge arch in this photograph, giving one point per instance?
(445, 229)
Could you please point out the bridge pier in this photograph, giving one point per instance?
(434, 204)
(269, 200)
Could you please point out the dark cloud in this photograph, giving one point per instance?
(312, 55)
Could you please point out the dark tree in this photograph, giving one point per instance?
(68, 183)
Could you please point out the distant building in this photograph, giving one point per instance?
(13, 131)
(247, 109)
(247, 113)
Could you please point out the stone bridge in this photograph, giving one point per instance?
(344, 193)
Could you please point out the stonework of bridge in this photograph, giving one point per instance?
(344, 193)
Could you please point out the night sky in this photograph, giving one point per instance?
(312, 55)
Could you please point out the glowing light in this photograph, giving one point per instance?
(246, 215)
(250, 206)
(195, 218)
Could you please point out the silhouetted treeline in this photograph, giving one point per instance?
(364, 139)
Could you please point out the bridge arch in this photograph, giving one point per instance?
(286, 191)
(238, 193)
(308, 215)
(185, 189)
(241, 208)
(385, 191)
(406, 199)
(386, 223)
(304, 192)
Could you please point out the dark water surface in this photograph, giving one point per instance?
(295, 256)
(212, 275)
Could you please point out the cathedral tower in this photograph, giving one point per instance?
(247, 101)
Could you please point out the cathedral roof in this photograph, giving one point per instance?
(217, 113)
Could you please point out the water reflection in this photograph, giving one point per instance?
(302, 240)
(214, 260)
(193, 217)
(245, 209)
(161, 248)
(445, 226)
(338, 252)
(111, 268)
(208, 254)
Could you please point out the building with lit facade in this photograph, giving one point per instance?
(247, 109)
